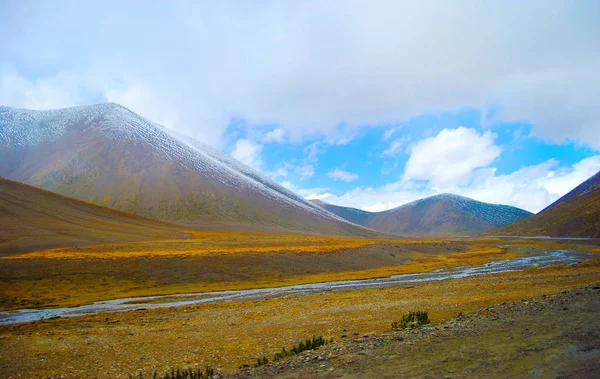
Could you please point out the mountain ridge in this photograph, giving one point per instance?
(110, 156)
(576, 214)
(438, 214)
(355, 215)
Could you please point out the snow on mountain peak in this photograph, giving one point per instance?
(27, 129)
(495, 214)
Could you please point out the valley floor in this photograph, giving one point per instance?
(215, 261)
(549, 337)
(229, 335)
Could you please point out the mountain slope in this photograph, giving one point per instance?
(444, 213)
(357, 216)
(31, 219)
(110, 156)
(576, 214)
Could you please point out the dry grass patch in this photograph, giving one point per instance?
(34, 283)
(204, 243)
(226, 335)
(197, 243)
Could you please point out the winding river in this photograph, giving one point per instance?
(538, 259)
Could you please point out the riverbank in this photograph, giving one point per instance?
(531, 259)
(547, 337)
(229, 334)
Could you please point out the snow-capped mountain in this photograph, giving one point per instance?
(576, 214)
(108, 155)
(443, 213)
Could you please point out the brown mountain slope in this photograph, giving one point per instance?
(32, 219)
(439, 214)
(577, 214)
(110, 156)
(357, 216)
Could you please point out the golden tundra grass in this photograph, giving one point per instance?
(228, 242)
(214, 260)
(212, 242)
(142, 275)
(226, 335)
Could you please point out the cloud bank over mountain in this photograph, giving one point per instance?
(309, 66)
(313, 77)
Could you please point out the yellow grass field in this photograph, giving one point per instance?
(213, 242)
(225, 260)
(212, 261)
(226, 335)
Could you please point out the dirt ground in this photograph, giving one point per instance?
(548, 337)
(230, 334)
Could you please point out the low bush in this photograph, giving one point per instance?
(411, 320)
(261, 361)
(310, 344)
(181, 374)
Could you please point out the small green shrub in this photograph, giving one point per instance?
(309, 344)
(261, 361)
(208, 373)
(411, 320)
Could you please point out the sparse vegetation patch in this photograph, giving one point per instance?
(204, 333)
(309, 344)
(411, 320)
(189, 373)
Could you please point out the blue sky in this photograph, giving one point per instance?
(369, 167)
(363, 104)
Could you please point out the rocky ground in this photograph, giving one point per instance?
(550, 336)
(228, 335)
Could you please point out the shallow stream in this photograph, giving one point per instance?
(537, 259)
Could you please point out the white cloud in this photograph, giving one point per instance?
(310, 66)
(275, 135)
(248, 153)
(388, 133)
(395, 146)
(532, 97)
(287, 184)
(318, 196)
(373, 199)
(308, 193)
(345, 176)
(59, 91)
(305, 171)
(451, 157)
(312, 151)
(531, 188)
(281, 172)
(144, 100)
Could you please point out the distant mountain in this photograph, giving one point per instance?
(357, 216)
(576, 214)
(107, 155)
(32, 219)
(439, 214)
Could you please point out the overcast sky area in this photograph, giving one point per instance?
(368, 104)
